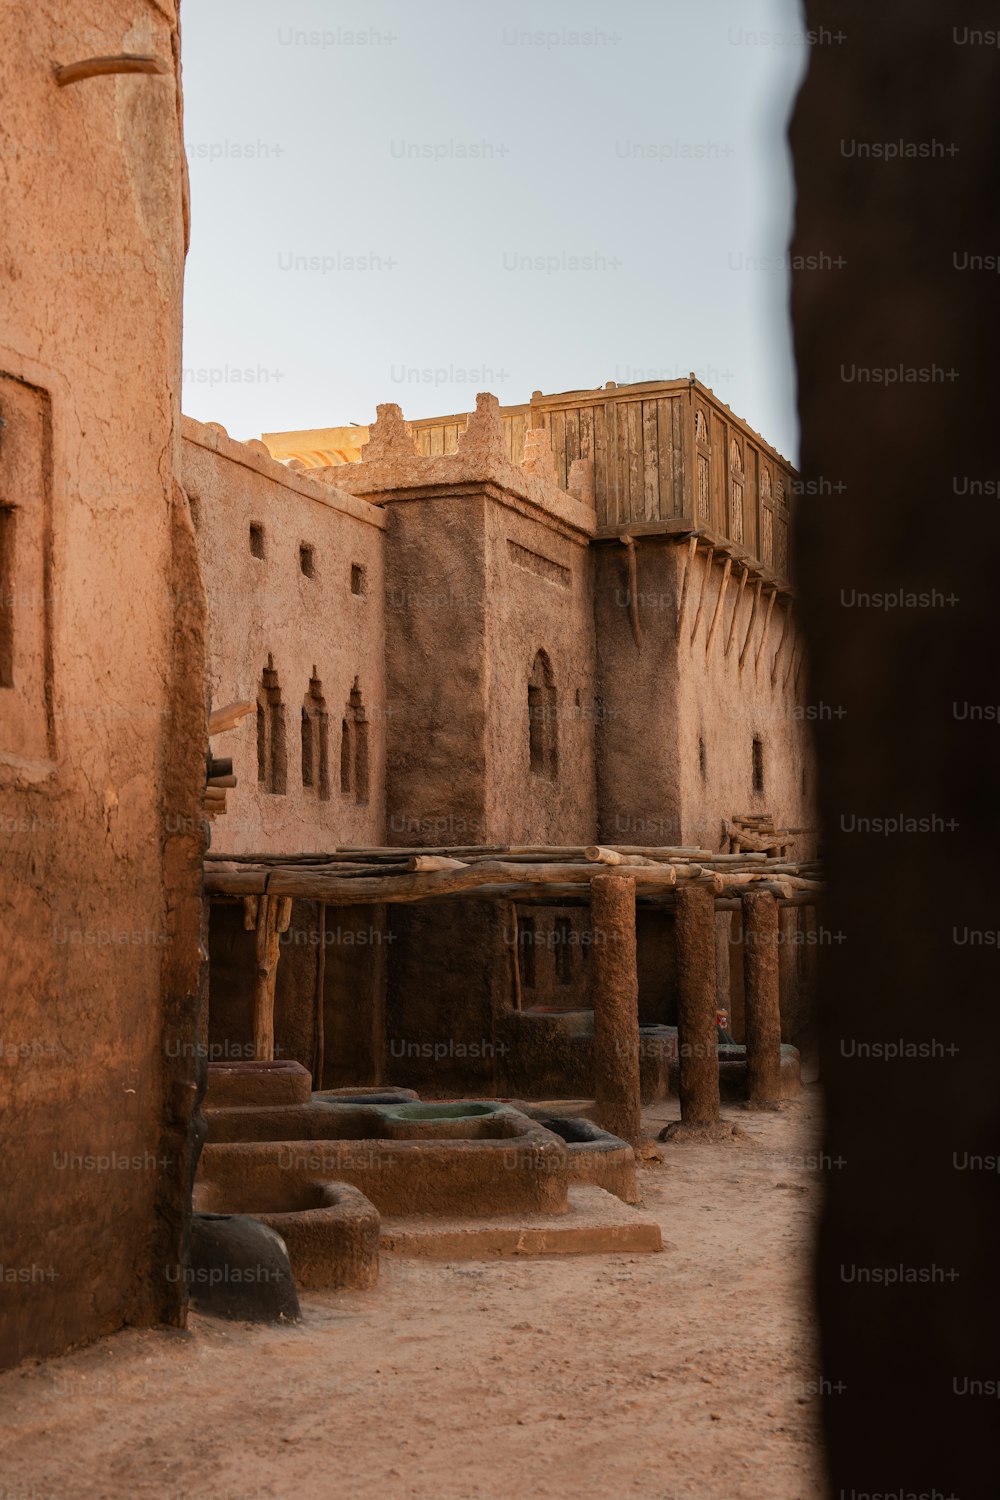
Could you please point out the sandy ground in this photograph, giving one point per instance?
(681, 1376)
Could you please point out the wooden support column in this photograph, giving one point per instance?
(723, 926)
(762, 1008)
(696, 1035)
(616, 1004)
(273, 916)
(319, 1022)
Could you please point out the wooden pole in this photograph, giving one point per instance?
(762, 1014)
(753, 616)
(616, 1005)
(273, 917)
(705, 581)
(696, 1034)
(723, 923)
(692, 549)
(320, 1037)
(767, 626)
(736, 607)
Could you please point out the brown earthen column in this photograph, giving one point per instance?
(696, 1038)
(763, 1013)
(616, 1004)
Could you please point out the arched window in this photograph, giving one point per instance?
(736, 485)
(271, 750)
(704, 461)
(354, 747)
(315, 741)
(543, 742)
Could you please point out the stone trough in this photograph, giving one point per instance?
(461, 1178)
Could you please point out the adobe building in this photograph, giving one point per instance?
(560, 624)
(103, 728)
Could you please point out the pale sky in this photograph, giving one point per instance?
(414, 200)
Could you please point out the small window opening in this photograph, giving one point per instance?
(758, 765)
(563, 949)
(526, 940)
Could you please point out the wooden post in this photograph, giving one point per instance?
(616, 1004)
(723, 923)
(696, 1035)
(319, 1039)
(762, 1012)
(273, 916)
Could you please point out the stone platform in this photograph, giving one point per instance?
(595, 1223)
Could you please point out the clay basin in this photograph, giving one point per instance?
(325, 1120)
(464, 1159)
(330, 1228)
(595, 1155)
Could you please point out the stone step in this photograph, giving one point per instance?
(597, 1223)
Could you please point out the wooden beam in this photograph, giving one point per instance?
(777, 654)
(767, 625)
(706, 577)
(753, 615)
(736, 607)
(692, 549)
(723, 586)
(265, 976)
(633, 591)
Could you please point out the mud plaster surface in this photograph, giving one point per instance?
(681, 1376)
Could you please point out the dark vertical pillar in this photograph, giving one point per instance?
(897, 536)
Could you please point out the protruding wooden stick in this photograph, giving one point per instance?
(767, 626)
(753, 615)
(692, 549)
(727, 569)
(736, 608)
(221, 719)
(706, 577)
(784, 632)
(96, 67)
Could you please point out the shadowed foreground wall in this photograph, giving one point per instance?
(102, 711)
(910, 1237)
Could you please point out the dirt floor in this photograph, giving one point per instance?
(682, 1376)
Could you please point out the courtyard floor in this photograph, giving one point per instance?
(687, 1375)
